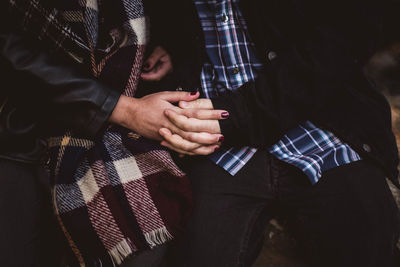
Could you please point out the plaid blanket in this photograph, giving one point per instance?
(119, 193)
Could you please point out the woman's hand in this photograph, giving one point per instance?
(197, 119)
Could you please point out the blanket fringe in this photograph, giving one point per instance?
(158, 237)
(121, 251)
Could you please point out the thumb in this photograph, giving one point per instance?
(174, 97)
(158, 72)
(152, 60)
(150, 63)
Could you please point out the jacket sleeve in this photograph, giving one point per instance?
(53, 86)
(321, 66)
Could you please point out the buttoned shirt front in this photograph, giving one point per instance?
(231, 63)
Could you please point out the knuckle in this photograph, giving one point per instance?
(174, 119)
(184, 127)
(184, 135)
(190, 136)
(178, 131)
(196, 113)
(183, 112)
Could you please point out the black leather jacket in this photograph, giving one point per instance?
(40, 93)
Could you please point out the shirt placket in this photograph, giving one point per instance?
(225, 31)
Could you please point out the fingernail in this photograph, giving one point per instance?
(221, 139)
(216, 149)
(193, 93)
(225, 115)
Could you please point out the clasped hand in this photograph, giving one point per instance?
(190, 128)
(195, 127)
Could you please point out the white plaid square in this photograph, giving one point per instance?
(88, 186)
(127, 170)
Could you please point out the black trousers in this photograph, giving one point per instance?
(349, 218)
(28, 231)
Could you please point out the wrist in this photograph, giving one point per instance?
(123, 111)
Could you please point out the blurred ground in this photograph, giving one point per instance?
(279, 247)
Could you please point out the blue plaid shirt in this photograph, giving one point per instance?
(231, 63)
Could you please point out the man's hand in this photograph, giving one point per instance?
(196, 118)
(157, 66)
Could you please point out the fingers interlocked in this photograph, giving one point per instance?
(193, 130)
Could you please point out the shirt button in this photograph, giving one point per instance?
(235, 70)
(271, 55)
(366, 148)
(224, 18)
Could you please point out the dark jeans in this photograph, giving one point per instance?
(349, 218)
(28, 231)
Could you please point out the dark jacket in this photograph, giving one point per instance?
(41, 92)
(317, 75)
